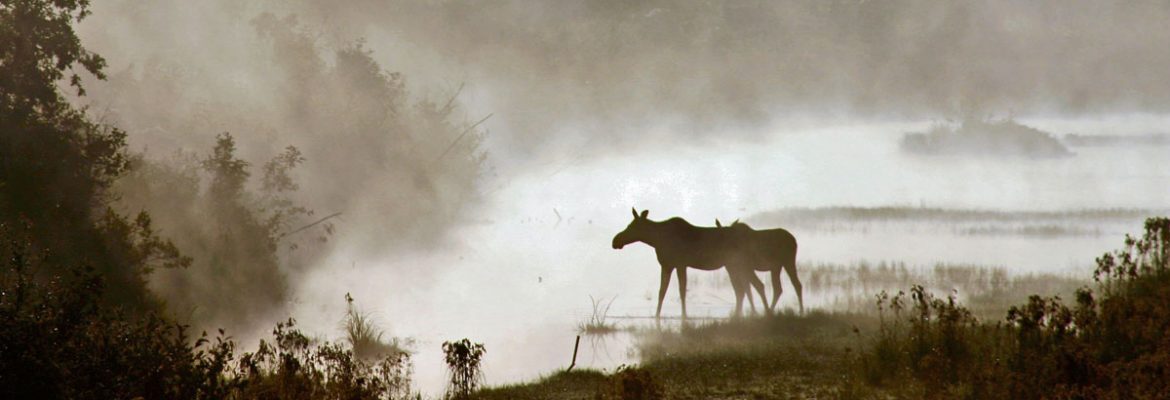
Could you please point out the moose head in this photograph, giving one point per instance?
(635, 231)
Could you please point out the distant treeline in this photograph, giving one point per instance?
(985, 138)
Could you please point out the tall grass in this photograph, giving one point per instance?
(596, 323)
(365, 338)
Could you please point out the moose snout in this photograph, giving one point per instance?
(616, 244)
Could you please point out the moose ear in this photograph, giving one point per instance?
(717, 224)
(736, 221)
(644, 213)
(634, 211)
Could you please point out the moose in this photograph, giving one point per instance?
(766, 250)
(741, 249)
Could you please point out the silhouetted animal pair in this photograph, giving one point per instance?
(739, 248)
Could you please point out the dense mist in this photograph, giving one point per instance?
(700, 66)
(604, 73)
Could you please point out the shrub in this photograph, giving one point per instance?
(463, 359)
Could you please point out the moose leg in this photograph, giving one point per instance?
(746, 278)
(682, 291)
(737, 287)
(740, 286)
(745, 289)
(776, 288)
(662, 285)
(759, 285)
(790, 268)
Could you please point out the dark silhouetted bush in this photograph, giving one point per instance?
(463, 359)
(59, 340)
(1109, 344)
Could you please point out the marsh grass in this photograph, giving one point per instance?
(597, 323)
(988, 291)
(781, 356)
(578, 384)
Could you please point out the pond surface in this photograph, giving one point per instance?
(522, 278)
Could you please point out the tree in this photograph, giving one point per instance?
(37, 46)
(56, 165)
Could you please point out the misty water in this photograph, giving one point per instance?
(521, 277)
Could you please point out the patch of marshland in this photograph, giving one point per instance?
(851, 288)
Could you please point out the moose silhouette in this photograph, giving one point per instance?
(742, 250)
(766, 250)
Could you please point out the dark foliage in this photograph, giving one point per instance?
(56, 166)
(59, 341)
(39, 46)
(1110, 344)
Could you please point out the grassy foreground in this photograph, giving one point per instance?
(784, 356)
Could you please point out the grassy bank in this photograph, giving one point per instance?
(784, 356)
